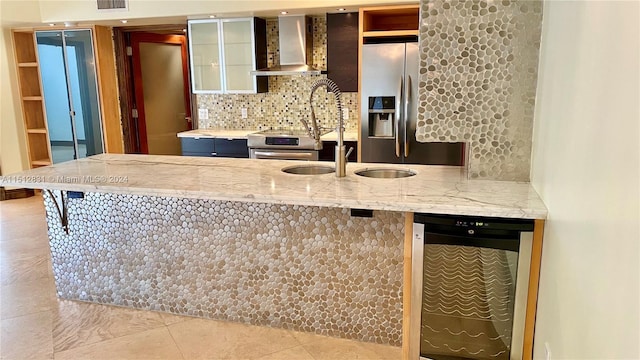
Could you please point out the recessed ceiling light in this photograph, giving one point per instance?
(212, 16)
(124, 21)
(52, 24)
(284, 12)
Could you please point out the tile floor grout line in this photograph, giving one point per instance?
(175, 342)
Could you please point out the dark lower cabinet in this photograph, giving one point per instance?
(236, 148)
(328, 152)
(198, 147)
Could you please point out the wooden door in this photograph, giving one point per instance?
(161, 112)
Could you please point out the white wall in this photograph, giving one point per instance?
(13, 150)
(585, 167)
(85, 10)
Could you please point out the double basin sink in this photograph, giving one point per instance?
(379, 173)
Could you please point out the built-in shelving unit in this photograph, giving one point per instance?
(390, 21)
(32, 101)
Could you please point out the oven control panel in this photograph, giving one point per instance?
(282, 141)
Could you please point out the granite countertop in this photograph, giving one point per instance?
(435, 189)
(242, 134)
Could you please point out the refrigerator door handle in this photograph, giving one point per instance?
(398, 117)
(407, 96)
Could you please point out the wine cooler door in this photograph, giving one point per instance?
(472, 293)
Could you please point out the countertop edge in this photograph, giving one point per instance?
(280, 200)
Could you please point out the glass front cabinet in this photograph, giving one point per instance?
(223, 52)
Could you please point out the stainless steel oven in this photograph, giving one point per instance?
(469, 287)
(282, 145)
(283, 154)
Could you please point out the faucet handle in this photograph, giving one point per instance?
(346, 157)
(306, 126)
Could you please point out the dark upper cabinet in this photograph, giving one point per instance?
(342, 50)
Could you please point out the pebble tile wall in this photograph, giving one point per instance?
(294, 267)
(478, 71)
(288, 97)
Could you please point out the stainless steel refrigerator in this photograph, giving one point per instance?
(389, 103)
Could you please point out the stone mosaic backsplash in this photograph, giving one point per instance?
(478, 72)
(302, 268)
(288, 97)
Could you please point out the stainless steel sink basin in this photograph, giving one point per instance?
(309, 170)
(385, 173)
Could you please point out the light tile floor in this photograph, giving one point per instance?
(34, 324)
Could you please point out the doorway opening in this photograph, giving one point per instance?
(154, 86)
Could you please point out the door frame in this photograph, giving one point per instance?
(124, 74)
(143, 37)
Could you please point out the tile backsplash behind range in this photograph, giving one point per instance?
(288, 98)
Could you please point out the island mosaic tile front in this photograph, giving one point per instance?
(288, 98)
(478, 72)
(295, 267)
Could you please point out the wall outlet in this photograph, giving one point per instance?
(244, 113)
(345, 114)
(203, 114)
(547, 351)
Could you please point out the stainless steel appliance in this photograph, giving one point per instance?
(283, 145)
(295, 40)
(469, 287)
(390, 109)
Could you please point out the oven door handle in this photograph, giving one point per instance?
(283, 155)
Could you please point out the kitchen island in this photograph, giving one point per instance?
(239, 240)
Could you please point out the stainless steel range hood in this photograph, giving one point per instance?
(295, 35)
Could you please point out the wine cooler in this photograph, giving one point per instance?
(469, 289)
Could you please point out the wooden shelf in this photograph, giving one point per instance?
(34, 115)
(390, 18)
(28, 64)
(32, 98)
(25, 48)
(37, 131)
(391, 33)
(30, 81)
(41, 162)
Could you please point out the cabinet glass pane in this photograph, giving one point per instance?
(205, 56)
(238, 55)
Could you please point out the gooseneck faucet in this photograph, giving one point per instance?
(314, 132)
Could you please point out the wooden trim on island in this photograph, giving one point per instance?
(406, 285)
(532, 297)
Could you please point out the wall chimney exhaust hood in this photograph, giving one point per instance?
(295, 37)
